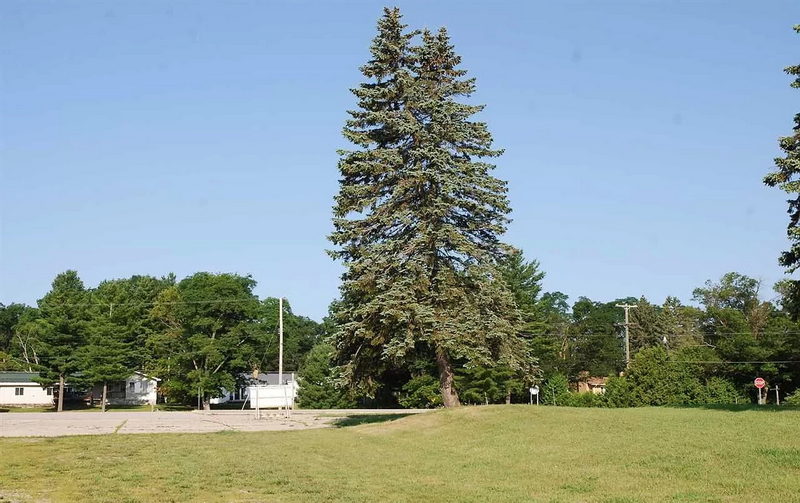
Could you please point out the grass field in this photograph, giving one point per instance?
(478, 454)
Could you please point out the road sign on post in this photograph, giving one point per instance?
(759, 382)
(534, 392)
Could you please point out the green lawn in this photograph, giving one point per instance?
(496, 453)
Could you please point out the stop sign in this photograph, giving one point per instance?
(759, 382)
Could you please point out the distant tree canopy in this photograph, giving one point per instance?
(198, 335)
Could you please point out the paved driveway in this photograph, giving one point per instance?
(53, 424)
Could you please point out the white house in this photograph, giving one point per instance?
(138, 389)
(18, 389)
(265, 380)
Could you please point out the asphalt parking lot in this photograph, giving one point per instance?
(55, 424)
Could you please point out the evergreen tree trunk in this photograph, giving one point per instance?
(105, 393)
(60, 393)
(446, 381)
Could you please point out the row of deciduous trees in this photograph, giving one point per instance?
(199, 335)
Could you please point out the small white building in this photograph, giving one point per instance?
(264, 380)
(18, 389)
(138, 389)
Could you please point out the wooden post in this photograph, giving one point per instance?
(60, 393)
(105, 391)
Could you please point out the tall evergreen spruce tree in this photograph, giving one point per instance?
(787, 177)
(418, 219)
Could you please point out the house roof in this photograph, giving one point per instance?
(147, 376)
(6, 376)
(272, 377)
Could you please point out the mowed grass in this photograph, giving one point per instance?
(477, 454)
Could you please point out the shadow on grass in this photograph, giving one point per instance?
(742, 407)
(367, 419)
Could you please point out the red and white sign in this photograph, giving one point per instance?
(759, 382)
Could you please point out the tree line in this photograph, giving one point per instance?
(199, 335)
(434, 307)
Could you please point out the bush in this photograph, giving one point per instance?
(722, 391)
(618, 393)
(793, 399)
(421, 393)
(554, 390)
(316, 379)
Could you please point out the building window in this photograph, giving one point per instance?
(144, 386)
(19, 391)
(49, 391)
(132, 386)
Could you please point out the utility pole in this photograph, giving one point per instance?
(627, 308)
(280, 341)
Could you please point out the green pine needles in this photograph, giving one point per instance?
(418, 220)
(786, 178)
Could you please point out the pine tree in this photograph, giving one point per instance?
(787, 178)
(64, 316)
(104, 356)
(418, 220)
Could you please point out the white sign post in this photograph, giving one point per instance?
(534, 392)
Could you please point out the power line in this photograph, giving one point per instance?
(698, 335)
(780, 362)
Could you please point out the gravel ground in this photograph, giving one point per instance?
(52, 424)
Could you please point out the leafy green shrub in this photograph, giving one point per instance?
(316, 379)
(554, 390)
(721, 391)
(793, 399)
(421, 393)
(618, 393)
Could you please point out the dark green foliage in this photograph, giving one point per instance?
(207, 335)
(123, 307)
(421, 392)
(785, 177)
(722, 391)
(554, 390)
(318, 388)
(658, 378)
(545, 317)
(418, 219)
(595, 345)
(583, 400)
(21, 337)
(104, 355)
(618, 393)
(484, 385)
(10, 316)
(61, 328)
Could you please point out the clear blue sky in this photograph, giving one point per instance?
(155, 137)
